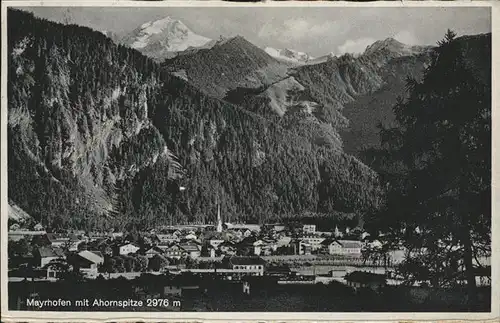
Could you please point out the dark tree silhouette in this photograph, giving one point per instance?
(437, 165)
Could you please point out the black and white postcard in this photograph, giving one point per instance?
(286, 161)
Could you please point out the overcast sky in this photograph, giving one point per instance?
(317, 31)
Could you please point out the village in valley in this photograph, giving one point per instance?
(292, 253)
(199, 265)
(179, 259)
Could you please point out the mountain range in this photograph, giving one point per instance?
(270, 81)
(101, 134)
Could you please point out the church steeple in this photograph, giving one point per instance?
(219, 220)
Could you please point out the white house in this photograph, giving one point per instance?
(313, 241)
(243, 226)
(345, 247)
(192, 250)
(44, 255)
(268, 247)
(89, 262)
(257, 247)
(173, 251)
(128, 248)
(309, 228)
(283, 241)
(252, 265)
(93, 256)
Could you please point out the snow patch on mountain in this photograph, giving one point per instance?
(164, 38)
(173, 34)
(289, 55)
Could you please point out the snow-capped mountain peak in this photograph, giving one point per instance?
(162, 37)
(288, 55)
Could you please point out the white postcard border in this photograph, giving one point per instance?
(13, 316)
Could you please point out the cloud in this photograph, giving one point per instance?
(298, 29)
(406, 37)
(355, 46)
(359, 45)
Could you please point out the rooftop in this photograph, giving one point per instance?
(46, 252)
(93, 256)
(190, 247)
(350, 243)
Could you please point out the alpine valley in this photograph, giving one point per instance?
(103, 132)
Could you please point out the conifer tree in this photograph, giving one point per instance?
(437, 166)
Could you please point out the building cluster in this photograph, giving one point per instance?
(201, 248)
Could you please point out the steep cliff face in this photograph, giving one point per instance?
(101, 135)
(76, 106)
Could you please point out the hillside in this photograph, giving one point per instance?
(100, 135)
(228, 64)
(344, 99)
(342, 80)
(367, 111)
(332, 95)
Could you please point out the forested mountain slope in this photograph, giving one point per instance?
(338, 84)
(334, 97)
(367, 111)
(95, 131)
(230, 63)
(345, 99)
